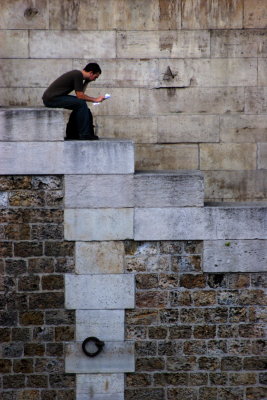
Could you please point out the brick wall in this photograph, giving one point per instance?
(198, 336)
(34, 257)
(187, 78)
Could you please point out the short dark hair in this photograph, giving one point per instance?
(94, 67)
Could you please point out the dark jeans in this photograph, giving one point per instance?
(80, 124)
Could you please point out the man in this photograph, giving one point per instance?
(80, 125)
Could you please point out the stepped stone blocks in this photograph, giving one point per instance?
(235, 256)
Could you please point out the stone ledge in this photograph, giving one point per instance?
(235, 256)
(115, 357)
(207, 223)
(99, 292)
(100, 386)
(70, 157)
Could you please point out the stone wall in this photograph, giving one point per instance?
(187, 78)
(34, 257)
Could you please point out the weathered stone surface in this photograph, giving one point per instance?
(231, 156)
(262, 72)
(188, 128)
(105, 385)
(238, 43)
(177, 189)
(191, 100)
(235, 185)
(243, 128)
(31, 125)
(43, 72)
(99, 258)
(208, 223)
(96, 191)
(235, 256)
(124, 72)
(212, 14)
(14, 44)
(166, 157)
(115, 357)
(255, 14)
(22, 97)
(262, 160)
(256, 100)
(99, 224)
(99, 292)
(67, 157)
(139, 130)
(55, 44)
(105, 324)
(208, 72)
(24, 15)
(174, 44)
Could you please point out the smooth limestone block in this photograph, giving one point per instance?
(262, 157)
(256, 100)
(208, 73)
(107, 324)
(207, 223)
(99, 257)
(162, 44)
(22, 97)
(98, 224)
(123, 101)
(212, 14)
(169, 189)
(56, 44)
(188, 128)
(116, 357)
(262, 72)
(235, 256)
(14, 44)
(228, 156)
(99, 292)
(97, 191)
(243, 128)
(70, 157)
(31, 125)
(100, 386)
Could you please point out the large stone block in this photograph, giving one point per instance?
(56, 44)
(162, 44)
(97, 191)
(256, 100)
(71, 157)
(235, 185)
(31, 125)
(212, 14)
(22, 97)
(23, 14)
(99, 224)
(235, 256)
(228, 156)
(238, 43)
(208, 73)
(140, 130)
(166, 157)
(100, 386)
(105, 324)
(262, 156)
(188, 128)
(122, 102)
(125, 72)
(191, 100)
(255, 14)
(99, 292)
(243, 128)
(208, 223)
(31, 73)
(262, 72)
(116, 357)
(99, 257)
(166, 189)
(14, 44)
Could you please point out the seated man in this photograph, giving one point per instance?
(80, 125)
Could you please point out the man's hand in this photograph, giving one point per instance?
(83, 96)
(99, 99)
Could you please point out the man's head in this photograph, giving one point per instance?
(91, 71)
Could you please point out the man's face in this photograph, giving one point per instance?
(93, 76)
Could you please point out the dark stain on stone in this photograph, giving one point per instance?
(31, 12)
(168, 75)
(69, 14)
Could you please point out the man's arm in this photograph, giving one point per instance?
(83, 96)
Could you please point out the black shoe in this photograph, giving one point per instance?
(92, 137)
